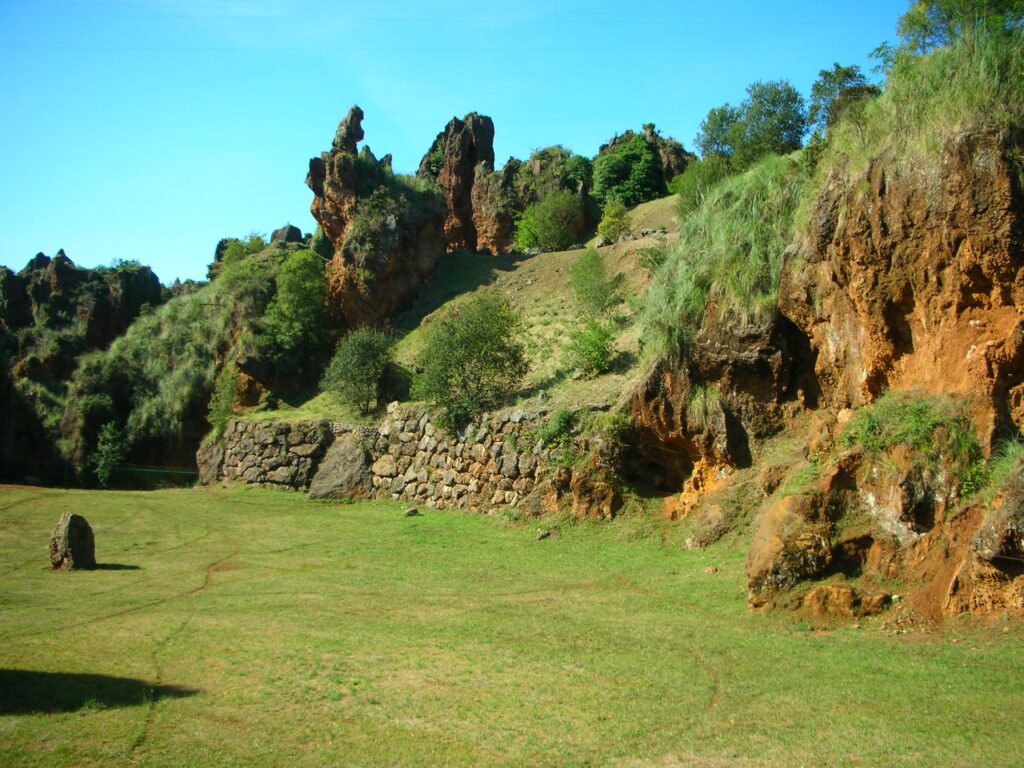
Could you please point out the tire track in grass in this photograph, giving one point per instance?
(135, 608)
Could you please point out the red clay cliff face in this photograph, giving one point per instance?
(910, 277)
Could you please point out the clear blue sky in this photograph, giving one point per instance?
(149, 129)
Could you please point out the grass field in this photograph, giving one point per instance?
(246, 627)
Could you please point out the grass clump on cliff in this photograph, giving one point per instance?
(728, 256)
(935, 428)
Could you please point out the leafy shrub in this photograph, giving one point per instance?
(550, 170)
(110, 452)
(934, 427)
(556, 222)
(591, 347)
(292, 336)
(357, 370)
(321, 246)
(614, 222)
(473, 359)
(590, 284)
(652, 257)
(697, 180)
(222, 403)
(628, 172)
(558, 430)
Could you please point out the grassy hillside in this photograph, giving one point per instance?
(246, 626)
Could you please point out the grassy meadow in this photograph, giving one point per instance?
(247, 627)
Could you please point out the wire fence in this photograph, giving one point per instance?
(137, 476)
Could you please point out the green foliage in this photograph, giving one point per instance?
(472, 359)
(222, 402)
(614, 221)
(235, 250)
(356, 371)
(652, 257)
(825, 91)
(110, 452)
(628, 172)
(558, 430)
(933, 427)
(293, 335)
(1000, 466)
(321, 246)
(435, 159)
(930, 24)
(729, 254)
(591, 287)
(703, 405)
(550, 170)
(693, 184)
(772, 119)
(591, 347)
(556, 222)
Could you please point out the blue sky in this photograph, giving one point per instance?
(149, 129)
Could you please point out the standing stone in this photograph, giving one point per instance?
(72, 545)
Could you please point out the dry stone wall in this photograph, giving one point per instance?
(495, 461)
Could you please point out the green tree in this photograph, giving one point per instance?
(357, 369)
(473, 359)
(556, 222)
(930, 24)
(293, 334)
(111, 451)
(628, 172)
(826, 104)
(771, 120)
(614, 222)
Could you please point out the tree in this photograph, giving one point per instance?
(628, 172)
(771, 120)
(697, 180)
(614, 222)
(111, 451)
(591, 347)
(293, 336)
(717, 133)
(357, 369)
(590, 284)
(556, 222)
(831, 85)
(933, 23)
(473, 358)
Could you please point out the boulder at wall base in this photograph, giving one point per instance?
(344, 472)
(209, 461)
(842, 601)
(594, 491)
(72, 545)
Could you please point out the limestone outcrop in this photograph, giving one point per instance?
(72, 545)
(387, 234)
(452, 162)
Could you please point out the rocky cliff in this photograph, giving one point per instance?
(387, 234)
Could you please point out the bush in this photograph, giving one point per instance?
(556, 222)
(614, 222)
(589, 281)
(628, 172)
(222, 403)
(110, 452)
(697, 180)
(473, 359)
(591, 347)
(356, 372)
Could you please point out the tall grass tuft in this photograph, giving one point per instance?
(729, 255)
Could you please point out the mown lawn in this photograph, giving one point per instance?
(245, 627)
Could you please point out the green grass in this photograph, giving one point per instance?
(728, 256)
(275, 631)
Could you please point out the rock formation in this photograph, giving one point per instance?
(286, 234)
(72, 545)
(344, 472)
(387, 235)
(911, 276)
(460, 154)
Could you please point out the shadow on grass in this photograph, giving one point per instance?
(116, 567)
(24, 691)
(455, 274)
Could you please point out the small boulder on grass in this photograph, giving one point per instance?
(412, 512)
(72, 545)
